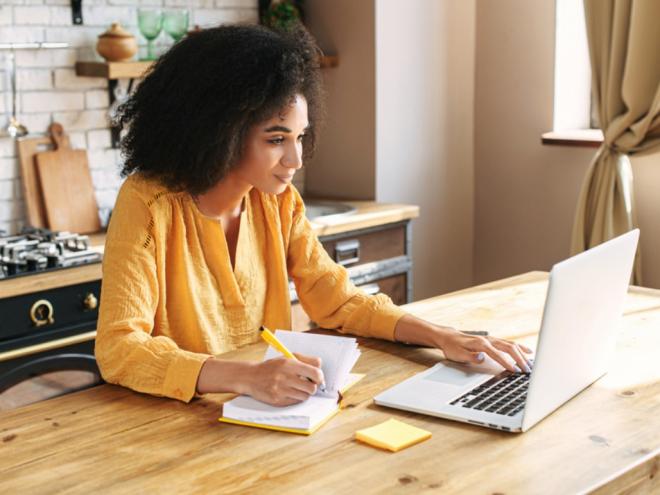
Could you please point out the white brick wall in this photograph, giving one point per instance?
(65, 57)
(8, 168)
(87, 119)
(21, 34)
(208, 17)
(77, 140)
(5, 16)
(36, 120)
(104, 159)
(97, 99)
(7, 147)
(50, 91)
(7, 190)
(32, 79)
(31, 16)
(51, 101)
(67, 79)
(98, 139)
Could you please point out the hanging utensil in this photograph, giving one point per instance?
(15, 129)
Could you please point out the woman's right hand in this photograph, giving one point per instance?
(282, 381)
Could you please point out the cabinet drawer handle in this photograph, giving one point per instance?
(371, 289)
(347, 252)
(90, 302)
(42, 313)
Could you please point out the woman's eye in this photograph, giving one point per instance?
(280, 140)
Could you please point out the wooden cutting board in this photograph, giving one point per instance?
(67, 188)
(28, 147)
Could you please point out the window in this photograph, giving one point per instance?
(572, 105)
(574, 121)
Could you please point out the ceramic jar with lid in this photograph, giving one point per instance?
(117, 44)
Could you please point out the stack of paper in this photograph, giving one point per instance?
(338, 356)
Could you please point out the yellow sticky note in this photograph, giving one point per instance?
(392, 435)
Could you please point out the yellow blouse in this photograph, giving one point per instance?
(170, 298)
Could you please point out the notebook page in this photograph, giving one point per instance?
(338, 355)
(346, 364)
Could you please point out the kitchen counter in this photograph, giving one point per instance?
(368, 214)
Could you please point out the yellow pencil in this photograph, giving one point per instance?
(270, 338)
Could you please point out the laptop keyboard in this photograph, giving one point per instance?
(503, 394)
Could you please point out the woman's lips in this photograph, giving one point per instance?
(285, 179)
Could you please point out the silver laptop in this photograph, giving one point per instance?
(583, 306)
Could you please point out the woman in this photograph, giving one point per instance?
(207, 229)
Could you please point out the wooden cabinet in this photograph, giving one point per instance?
(370, 245)
(378, 260)
(395, 287)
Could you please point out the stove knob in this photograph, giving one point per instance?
(41, 313)
(12, 267)
(32, 264)
(90, 302)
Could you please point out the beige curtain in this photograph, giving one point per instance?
(624, 47)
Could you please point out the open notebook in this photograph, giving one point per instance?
(338, 356)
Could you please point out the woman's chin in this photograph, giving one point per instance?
(272, 188)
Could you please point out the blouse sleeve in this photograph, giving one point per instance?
(126, 351)
(324, 288)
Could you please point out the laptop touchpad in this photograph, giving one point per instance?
(452, 376)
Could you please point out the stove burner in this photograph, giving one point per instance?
(36, 250)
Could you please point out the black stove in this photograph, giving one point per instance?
(38, 250)
(51, 327)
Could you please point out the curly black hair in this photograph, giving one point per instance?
(188, 118)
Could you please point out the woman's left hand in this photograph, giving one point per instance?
(464, 348)
(461, 347)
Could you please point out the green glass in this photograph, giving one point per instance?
(175, 23)
(150, 22)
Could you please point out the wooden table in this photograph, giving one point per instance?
(607, 439)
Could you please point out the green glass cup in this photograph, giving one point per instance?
(150, 23)
(175, 23)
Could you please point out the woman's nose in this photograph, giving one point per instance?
(293, 157)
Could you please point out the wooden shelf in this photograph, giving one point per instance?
(113, 70)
